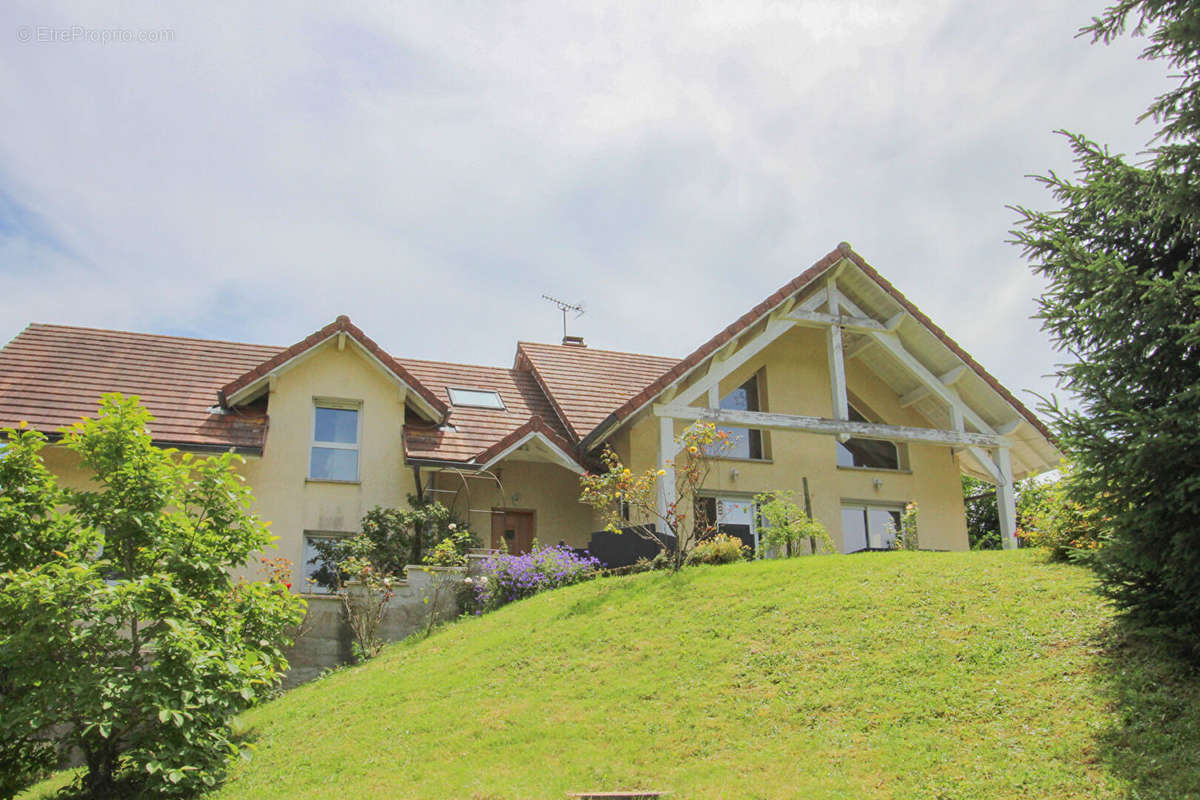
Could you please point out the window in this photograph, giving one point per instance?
(309, 569)
(747, 442)
(734, 516)
(867, 453)
(476, 398)
(866, 527)
(334, 454)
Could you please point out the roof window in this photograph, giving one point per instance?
(475, 398)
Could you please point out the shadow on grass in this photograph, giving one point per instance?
(1153, 742)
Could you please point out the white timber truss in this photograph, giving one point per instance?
(983, 443)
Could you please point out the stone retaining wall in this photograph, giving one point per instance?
(325, 639)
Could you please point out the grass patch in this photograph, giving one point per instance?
(905, 675)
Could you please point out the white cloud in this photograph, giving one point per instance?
(431, 170)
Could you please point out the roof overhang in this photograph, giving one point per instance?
(891, 337)
(535, 446)
(341, 333)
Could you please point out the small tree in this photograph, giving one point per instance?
(785, 527)
(683, 518)
(129, 640)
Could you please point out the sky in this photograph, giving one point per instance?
(433, 169)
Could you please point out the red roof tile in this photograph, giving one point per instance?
(476, 430)
(53, 375)
(585, 384)
(340, 325)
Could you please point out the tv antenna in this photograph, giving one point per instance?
(564, 307)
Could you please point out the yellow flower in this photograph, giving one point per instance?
(693, 449)
(662, 472)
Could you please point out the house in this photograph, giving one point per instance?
(835, 386)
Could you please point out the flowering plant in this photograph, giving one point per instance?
(682, 516)
(507, 578)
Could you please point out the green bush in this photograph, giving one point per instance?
(787, 530)
(128, 640)
(718, 549)
(1062, 525)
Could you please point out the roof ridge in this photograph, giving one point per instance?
(145, 334)
(590, 349)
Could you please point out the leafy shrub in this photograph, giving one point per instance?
(451, 551)
(507, 578)
(391, 539)
(718, 549)
(129, 640)
(786, 529)
(1061, 524)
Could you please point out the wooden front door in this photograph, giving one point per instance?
(512, 531)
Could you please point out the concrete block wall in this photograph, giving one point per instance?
(325, 639)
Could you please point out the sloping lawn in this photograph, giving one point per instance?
(892, 675)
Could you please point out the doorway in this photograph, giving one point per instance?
(512, 531)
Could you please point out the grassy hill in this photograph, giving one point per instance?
(894, 675)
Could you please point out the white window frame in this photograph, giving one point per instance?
(450, 390)
(866, 507)
(314, 588)
(341, 405)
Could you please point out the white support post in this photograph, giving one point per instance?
(837, 358)
(1006, 499)
(666, 452)
(714, 396)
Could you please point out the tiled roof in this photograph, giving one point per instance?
(476, 430)
(52, 375)
(586, 385)
(340, 325)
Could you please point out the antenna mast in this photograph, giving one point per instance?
(564, 307)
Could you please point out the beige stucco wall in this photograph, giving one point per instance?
(550, 491)
(797, 382)
(292, 503)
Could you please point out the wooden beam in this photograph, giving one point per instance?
(341, 341)
(819, 318)
(891, 342)
(895, 321)
(1008, 428)
(830, 427)
(864, 344)
(915, 396)
(1006, 499)
(837, 358)
(666, 453)
(953, 376)
(719, 370)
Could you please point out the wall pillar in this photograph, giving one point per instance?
(666, 453)
(1006, 499)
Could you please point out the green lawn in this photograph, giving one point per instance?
(905, 675)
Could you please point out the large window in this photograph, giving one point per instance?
(867, 527)
(867, 453)
(334, 454)
(747, 442)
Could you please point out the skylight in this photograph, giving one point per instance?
(476, 398)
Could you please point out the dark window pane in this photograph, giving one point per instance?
(337, 425)
(747, 442)
(871, 453)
